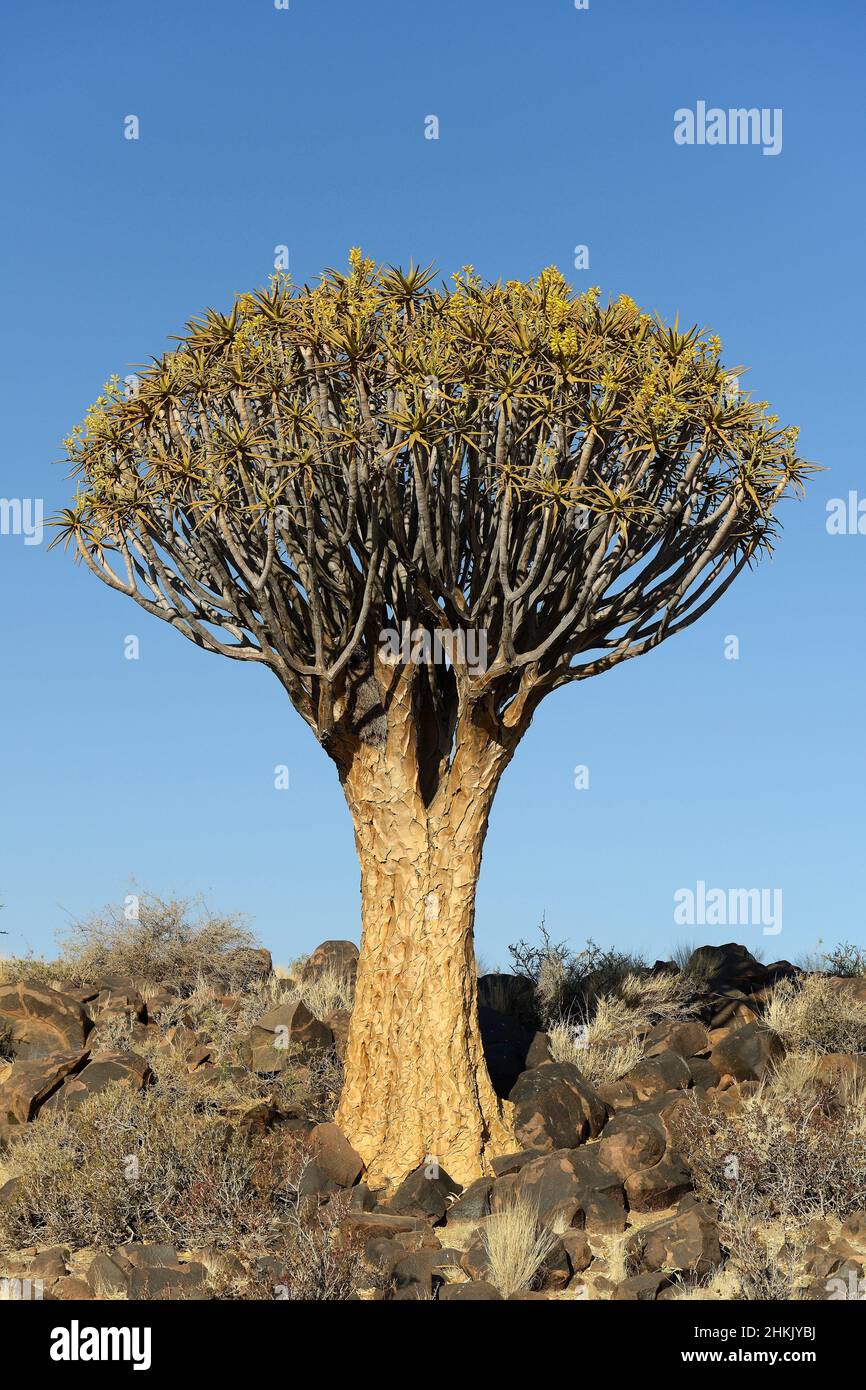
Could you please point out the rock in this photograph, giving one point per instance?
(474, 1291)
(103, 1070)
(841, 1068)
(652, 1189)
(423, 1270)
(569, 1187)
(426, 1192)
(315, 1183)
(42, 1022)
(474, 1262)
(726, 967)
(178, 1282)
(630, 1143)
(548, 1181)
(642, 1287)
(72, 1289)
(685, 1037)
(473, 1203)
(30, 1083)
(578, 1249)
(555, 1108)
(49, 1265)
(382, 1223)
(124, 1003)
(665, 1071)
(687, 1241)
(283, 1036)
(338, 1022)
(335, 1155)
(247, 964)
(509, 1048)
(338, 957)
(747, 1053)
(511, 1163)
(105, 1279)
(702, 1071)
(509, 994)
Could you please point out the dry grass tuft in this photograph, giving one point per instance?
(516, 1245)
(813, 1015)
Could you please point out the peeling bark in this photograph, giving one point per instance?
(416, 1084)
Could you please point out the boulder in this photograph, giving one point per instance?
(686, 1037)
(662, 1185)
(473, 1291)
(473, 1203)
(548, 1181)
(630, 1143)
(509, 1048)
(30, 1083)
(653, 1076)
(747, 1053)
(284, 1035)
(727, 967)
(644, 1288)
(335, 1155)
(686, 1241)
(337, 957)
(41, 1021)
(555, 1108)
(426, 1192)
(104, 1069)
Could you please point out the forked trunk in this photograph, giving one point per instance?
(416, 1084)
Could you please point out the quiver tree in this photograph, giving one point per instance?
(514, 467)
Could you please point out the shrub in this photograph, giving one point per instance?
(846, 959)
(177, 941)
(158, 1165)
(565, 981)
(779, 1158)
(814, 1015)
(604, 1048)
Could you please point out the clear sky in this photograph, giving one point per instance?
(305, 127)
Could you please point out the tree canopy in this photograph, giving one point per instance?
(575, 479)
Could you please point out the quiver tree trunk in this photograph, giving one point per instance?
(416, 1084)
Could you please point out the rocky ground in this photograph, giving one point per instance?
(699, 1134)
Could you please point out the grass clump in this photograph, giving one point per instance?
(812, 1014)
(516, 1245)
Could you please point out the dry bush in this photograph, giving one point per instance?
(654, 998)
(516, 1245)
(608, 1040)
(30, 967)
(162, 1164)
(779, 1157)
(566, 982)
(812, 1015)
(178, 942)
(603, 1049)
(846, 959)
(329, 991)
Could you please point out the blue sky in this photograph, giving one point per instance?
(305, 127)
